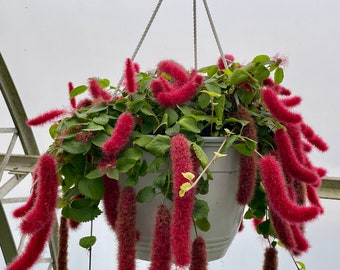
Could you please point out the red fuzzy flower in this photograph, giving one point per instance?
(46, 117)
(182, 206)
(63, 244)
(47, 193)
(98, 92)
(313, 138)
(270, 259)
(120, 135)
(110, 200)
(199, 257)
(160, 252)
(130, 78)
(229, 59)
(72, 100)
(126, 229)
(278, 198)
(277, 108)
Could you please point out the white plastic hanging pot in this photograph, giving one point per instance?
(225, 213)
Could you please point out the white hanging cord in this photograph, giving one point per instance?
(147, 28)
(215, 34)
(195, 32)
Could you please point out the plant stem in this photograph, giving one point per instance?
(297, 266)
(90, 249)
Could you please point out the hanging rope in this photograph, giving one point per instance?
(215, 33)
(140, 42)
(195, 32)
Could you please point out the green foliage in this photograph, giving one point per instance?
(87, 241)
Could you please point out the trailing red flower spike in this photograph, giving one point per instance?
(241, 227)
(98, 92)
(130, 78)
(33, 249)
(292, 101)
(179, 95)
(277, 108)
(278, 198)
(199, 257)
(161, 251)
(120, 136)
(47, 193)
(174, 69)
(270, 259)
(300, 192)
(247, 172)
(110, 200)
(313, 138)
(283, 230)
(313, 198)
(126, 229)
(84, 103)
(45, 118)
(182, 206)
(229, 59)
(22, 210)
(72, 100)
(302, 244)
(290, 162)
(63, 244)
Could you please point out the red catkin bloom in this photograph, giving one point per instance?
(120, 136)
(283, 230)
(175, 70)
(290, 162)
(302, 244)
(22, 210)
(47, 193)
(126, 229)
(72, 100)
(182, 206)
(229, 59)
(33, 249)
(110, 200)
(277, 108)
(199, 257)
(45, 118)
(270, 259)
(313, 138)
(97, 92)
(292, 101)
(278, 198)
(313, 197)
(247, 172)
(63, 244)
(161, 250)
(130, 78)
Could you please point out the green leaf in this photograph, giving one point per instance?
(133, 153)
(278, 75)
(213, 87)
(136, 105)
(203, 224)
(102, 119)
(239, 75)
(160, 181)
(146, 194)
(103, 83)
(93, 127)
(87, 241)
(78, 90)
(96, 173)
(172, 131)
(97, 108)
(235, 120)
(100, 139)
(74, 147)
(81, 210)
(92, 188)
(302, 265)
(156, 164)
(201, 209)
(113, 174)
(261, 73)
(210, 70)
(264, 228)
(219, 107)
(261, 58)
(124, 164)
(189, 124)
(172, 116)
(203, 100)
(158, 145)
(244, 149)
(143, 141)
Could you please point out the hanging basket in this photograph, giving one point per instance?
(221, 199)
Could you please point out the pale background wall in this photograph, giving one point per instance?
(46, 44)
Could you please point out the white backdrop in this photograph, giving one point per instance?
(46, 44)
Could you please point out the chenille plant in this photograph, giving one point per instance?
(166, 113)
